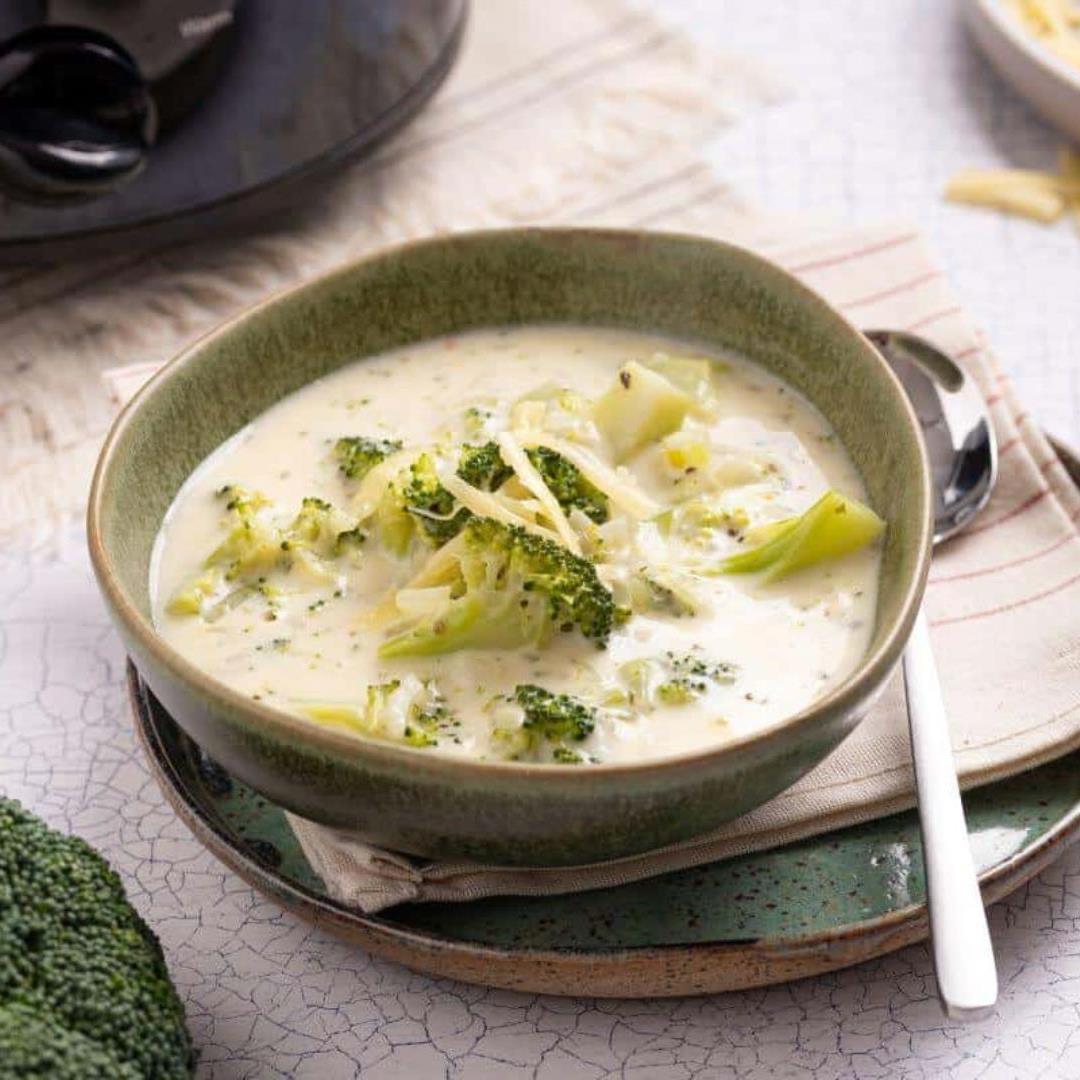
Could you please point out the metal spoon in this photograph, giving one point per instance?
(963, 459)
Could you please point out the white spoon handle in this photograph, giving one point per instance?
(963, 956)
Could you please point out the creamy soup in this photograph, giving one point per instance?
(550, 544)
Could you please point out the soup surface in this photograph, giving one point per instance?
(515, 545)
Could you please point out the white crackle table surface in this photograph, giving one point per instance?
(888, 100)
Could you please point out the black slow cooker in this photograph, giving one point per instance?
(127, 122)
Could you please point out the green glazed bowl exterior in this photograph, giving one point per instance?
(508, 813)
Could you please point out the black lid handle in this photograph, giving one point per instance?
(76, 117)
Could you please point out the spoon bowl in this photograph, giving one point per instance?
(955, 424)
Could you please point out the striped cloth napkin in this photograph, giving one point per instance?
(581, 116)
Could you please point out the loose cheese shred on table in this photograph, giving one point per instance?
(1043, 196)
(1070, 169)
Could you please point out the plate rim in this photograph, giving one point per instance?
(630, 971)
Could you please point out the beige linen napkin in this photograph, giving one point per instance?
(602, 146)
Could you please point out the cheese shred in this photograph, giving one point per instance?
(618, 487)
(1013, 190)
(526, 472)
(1041, 196)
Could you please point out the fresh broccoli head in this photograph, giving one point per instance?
(508, 588)
(84, 990)
(357, 455)
(41, 1048)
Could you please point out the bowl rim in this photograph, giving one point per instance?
(873, 668)
(1008, 27)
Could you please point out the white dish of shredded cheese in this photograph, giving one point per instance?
(1035, 46)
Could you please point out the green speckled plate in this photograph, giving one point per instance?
(810, 907)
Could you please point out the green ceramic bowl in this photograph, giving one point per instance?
(505, 812)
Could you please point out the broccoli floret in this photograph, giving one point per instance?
(568, 485)
(84, 990)
(252, 545)
(508, 588)
(255, 547)
(689, 676)
(483, 466)
(477, 420)
(250, 550)
(432, 506)
(192, 595)
(407, 709)
(428, 718)
(673, 679)
(441, 517)
(349, 540)
(420, 497)
(394, 525)
(321, 529)
(380, 705)
(357, 455)
(677, 692)
(548, 722)
(563, 755)
(555, 717)
(240, 501)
